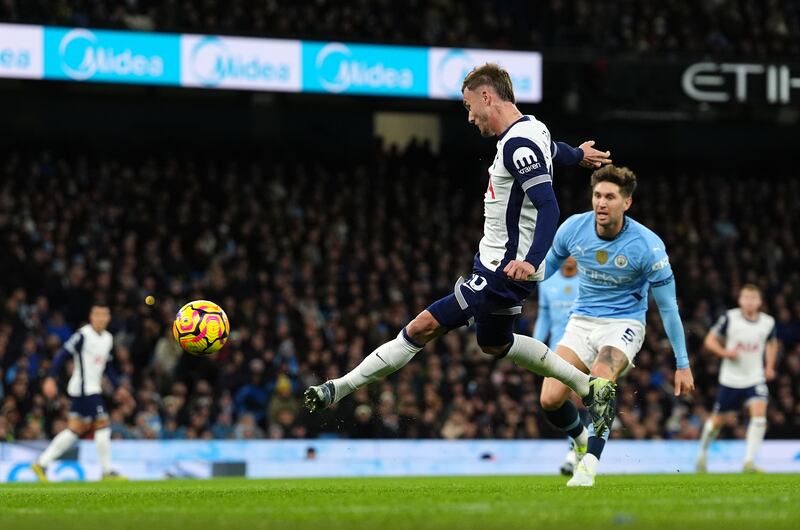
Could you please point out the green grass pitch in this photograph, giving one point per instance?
(716, 502)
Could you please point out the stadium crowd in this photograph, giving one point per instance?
(746, 27)
(316, 267)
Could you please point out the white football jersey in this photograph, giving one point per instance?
(90, 351)
(749, 339)
(509, 214)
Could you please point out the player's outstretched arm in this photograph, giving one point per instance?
(666, 300)
(585, 154)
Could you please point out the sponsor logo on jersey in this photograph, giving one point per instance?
(568, 289)
(621, 261)
(661, 264)
(601, 256)
(525, 160)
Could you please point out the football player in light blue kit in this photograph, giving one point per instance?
(556, 296)
(620, 260)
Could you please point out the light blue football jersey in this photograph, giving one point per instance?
(556, 296)
(615, 275)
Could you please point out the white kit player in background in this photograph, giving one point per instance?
(90, 348)
(742, 337)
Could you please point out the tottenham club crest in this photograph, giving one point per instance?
(621, 261)
(601, 256)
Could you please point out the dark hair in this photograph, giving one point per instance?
(621, 176)
(494, 76)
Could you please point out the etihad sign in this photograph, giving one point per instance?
(725, 82)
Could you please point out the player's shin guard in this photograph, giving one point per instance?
(535, 356)
(385, 360)
(60, 443)
(102, 439)
(755, 435)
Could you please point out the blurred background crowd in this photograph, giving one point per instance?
(752, 28)
(318, 263)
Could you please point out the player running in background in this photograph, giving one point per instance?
(620, 260)
(90, 348)
(521, 214)
(741, 337)
(556, 296)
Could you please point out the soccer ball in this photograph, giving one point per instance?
(201, 327)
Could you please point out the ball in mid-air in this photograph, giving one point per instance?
(201, 327)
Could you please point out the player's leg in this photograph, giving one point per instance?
(710, 431)
(611, 362)
(76, 427)
(102, 438)
(728, 402)
(496, 337)
(391, 356)
(561, 412)
(757, 428)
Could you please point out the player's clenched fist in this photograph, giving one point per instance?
(519, 270)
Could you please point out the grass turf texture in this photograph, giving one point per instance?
(643, 501)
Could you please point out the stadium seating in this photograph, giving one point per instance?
(316, 267)
(743, 27)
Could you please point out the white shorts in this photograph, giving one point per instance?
(586, 335)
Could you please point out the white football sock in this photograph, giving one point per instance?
(755, 435)
(583, 438)
(535, 356)
(60, 443)
(387, 359)
(102, 439)
(709, 434)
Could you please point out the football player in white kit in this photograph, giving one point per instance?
(90, 348)
(521, 215)
(742, 337)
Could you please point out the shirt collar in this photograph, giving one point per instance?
(523, 118)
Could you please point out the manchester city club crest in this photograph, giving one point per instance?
(621, 261)
(602, 257)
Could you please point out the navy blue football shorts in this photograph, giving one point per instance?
(489, 300)
(88, 408)
(733, 399)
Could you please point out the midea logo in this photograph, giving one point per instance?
(98, 59)
(721, 82)
(353, 72)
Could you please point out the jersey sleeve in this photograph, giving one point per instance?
(74, 344)
(720, 328)
(656, 263)
(564, 154)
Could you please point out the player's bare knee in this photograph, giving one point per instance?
(494, 350)
(423, 328)
(554, 394)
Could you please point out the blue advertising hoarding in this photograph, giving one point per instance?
(236, 63)
(341, 68)
(112, 56)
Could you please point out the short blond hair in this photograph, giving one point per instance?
(493, 75)
(621, 176)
